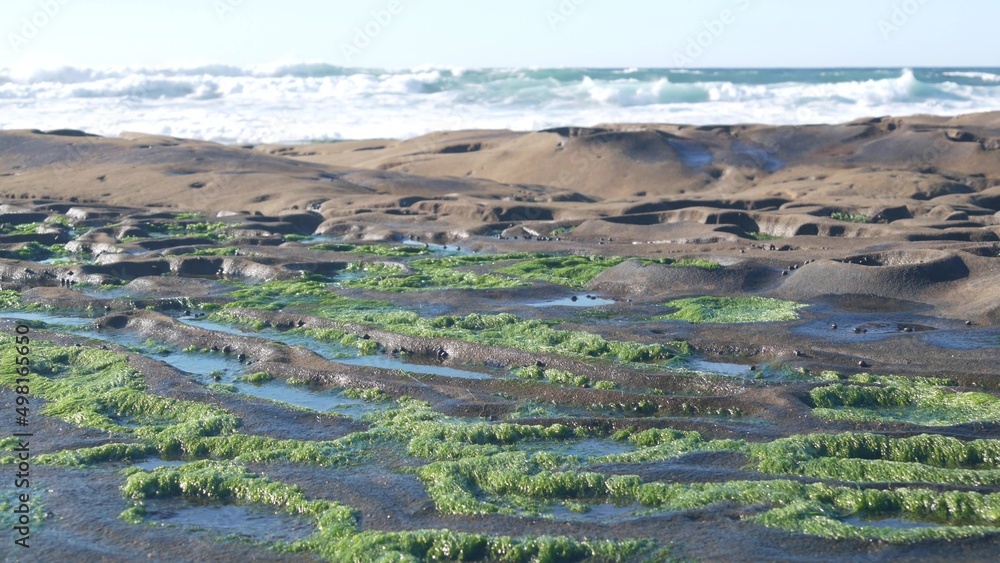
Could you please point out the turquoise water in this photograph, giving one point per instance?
(316, 101)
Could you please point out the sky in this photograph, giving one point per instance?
(512, 33)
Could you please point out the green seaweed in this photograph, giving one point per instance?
(724, 310)
(215, 231)
(382, 277)
(10, 299)
(34, 252)
(371, 395)
(496, 330)
(219, 251)
(571, 271)
(338, 536)
(925, 401)
(561, 377)
(850, 217)
(257, 378)
(386, 251)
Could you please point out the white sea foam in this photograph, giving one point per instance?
(295, 102)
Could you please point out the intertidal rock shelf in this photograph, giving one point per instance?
(397, 359)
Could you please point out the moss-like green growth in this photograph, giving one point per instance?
(662, 444)
(496, 330)
(188, 216)
(687, 263)
(214, 231)
(733, 310)
(10, 299)
(307, 294)
(382, 277)
(504, 483)
(373, 249)
(258, 378)
(22, 229)
(89, 456)
(220, 251)
(35, 252)
(338, 536)
(929, 402)
(572, 271)
(877, 458)
(371, 395)
(850, 217)
(97, 389)
(536, 336)
(578, 271)
(560, 377)
(365, 346)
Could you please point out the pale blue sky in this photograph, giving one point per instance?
(509, 33)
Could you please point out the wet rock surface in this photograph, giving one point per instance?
(394, 342)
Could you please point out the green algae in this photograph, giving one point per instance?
(571, 271)
(561, 377)
(578, 271)
(220, 251)
(35, 252)
(95, 388)
(850, 217)
(513, 480)
(85, 457)
(436, 274)
(371, 394)
(385, 251)
(22, 229)
(258, 378)
(338, 536)
(382, 277)
(494, 330)
(931, 449)
(530, 335)
(10, 299)
(725, 310)
(308, 293)
(924, 401)
(215, 231)
(475, 469)
(365, 346)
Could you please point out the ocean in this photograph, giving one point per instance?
(315, 102)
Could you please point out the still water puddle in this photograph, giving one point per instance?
(303, 397)
(247, 521)
(574, 301)
(597, 513)
(392, 362)
(722, 368)
(152, 462)
(888, 523)
(586, 448)
(50, 318)
(344, 354)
